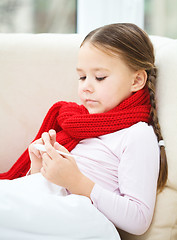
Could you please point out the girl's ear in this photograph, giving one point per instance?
(139, 80)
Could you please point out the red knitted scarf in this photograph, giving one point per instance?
(72, 123)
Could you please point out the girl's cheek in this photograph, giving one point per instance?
(79, 92)
(80, 96)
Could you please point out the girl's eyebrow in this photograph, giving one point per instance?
(94, 69)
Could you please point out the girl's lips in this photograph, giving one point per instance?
(91, 102)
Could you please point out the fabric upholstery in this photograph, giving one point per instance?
(38, 70)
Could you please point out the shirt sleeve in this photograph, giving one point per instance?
(132, 208)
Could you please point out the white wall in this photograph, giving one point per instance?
(95, 13)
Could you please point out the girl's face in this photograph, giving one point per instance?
(104, 80)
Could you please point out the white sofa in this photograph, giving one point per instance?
(38, 70)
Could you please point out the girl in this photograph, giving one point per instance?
(114, 135)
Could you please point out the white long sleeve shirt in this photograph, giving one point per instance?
(124, 166)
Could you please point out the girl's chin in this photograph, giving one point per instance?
(92, 111)
(97, 110)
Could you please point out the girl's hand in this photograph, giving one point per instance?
(63, 170)
(36, 155)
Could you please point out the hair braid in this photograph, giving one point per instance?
(151, 81)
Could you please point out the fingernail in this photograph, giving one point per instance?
(56, 144)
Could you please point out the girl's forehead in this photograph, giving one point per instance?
(93, 59)
(90, 50)
(101, 49)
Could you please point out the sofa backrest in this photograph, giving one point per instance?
(36, 70)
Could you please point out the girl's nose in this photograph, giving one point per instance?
(87, 85)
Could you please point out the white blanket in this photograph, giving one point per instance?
(32, 208)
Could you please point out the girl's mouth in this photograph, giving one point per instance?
(90, 101)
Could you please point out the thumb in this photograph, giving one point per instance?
(59, 147)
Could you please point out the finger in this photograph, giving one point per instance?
(51, 151)
(52, 134)
(45, 137)
(39, 141)
(46, 159)
(43, 171)
(61, 148)
(33, 150)
(44, 165)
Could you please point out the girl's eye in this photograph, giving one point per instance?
(100, 78)
(82, 78)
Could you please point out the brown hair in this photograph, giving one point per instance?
(134, 46)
